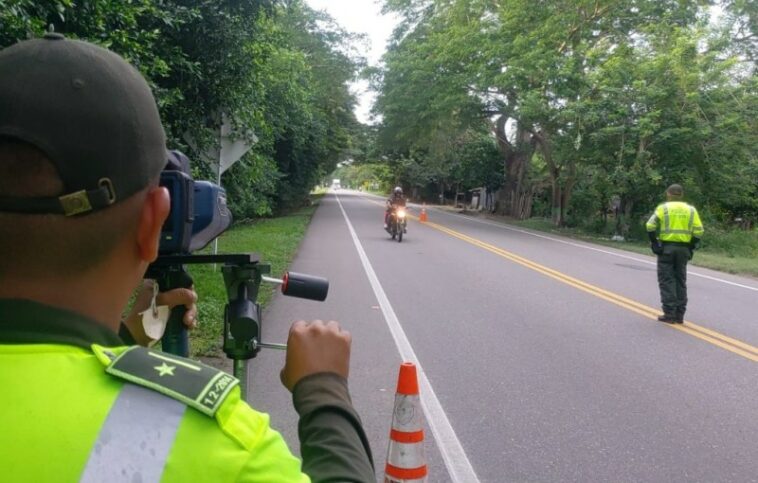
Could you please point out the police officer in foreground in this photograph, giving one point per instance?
(679, 230)
(81, 149)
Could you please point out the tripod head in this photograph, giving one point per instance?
(243, 275)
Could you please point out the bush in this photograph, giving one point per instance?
(735, 243)
(598, 226)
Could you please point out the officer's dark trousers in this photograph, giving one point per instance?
(672, 278)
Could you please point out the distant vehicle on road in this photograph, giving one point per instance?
(336, 184)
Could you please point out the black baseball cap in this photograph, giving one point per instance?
(675, 190)
(90, 112)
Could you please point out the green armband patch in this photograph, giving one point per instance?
(195, 384)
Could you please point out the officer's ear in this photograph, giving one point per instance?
(155, 209)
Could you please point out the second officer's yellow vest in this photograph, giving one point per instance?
(677, 222)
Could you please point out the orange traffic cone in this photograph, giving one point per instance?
(406, 460)
(422, 217)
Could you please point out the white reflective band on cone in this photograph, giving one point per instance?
(406, 455)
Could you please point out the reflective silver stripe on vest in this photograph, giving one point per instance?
(135, 440)
(692, 218)
(666, 226)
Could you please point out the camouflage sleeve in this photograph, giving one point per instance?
(332, 441)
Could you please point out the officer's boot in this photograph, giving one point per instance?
(669, 314)
(668, 318)
(679, 315)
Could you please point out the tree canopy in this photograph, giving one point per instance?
(587, 101)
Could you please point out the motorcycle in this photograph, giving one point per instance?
(397, 223)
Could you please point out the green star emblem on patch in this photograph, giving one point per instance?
(164, 369)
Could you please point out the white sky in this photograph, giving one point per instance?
(361, 16)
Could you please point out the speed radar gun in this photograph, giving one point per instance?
(198, 215)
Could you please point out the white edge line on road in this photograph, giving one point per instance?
(586, 247)
(457, 463)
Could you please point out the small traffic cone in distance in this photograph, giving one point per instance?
(422, 217)
(406, 459)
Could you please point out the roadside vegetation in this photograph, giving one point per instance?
(731, 251)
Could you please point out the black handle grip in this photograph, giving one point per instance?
(305, 286)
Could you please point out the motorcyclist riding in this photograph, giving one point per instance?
(395, 200)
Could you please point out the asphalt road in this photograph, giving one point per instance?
(542, 355)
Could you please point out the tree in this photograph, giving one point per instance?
(309, 95)
(635, 93)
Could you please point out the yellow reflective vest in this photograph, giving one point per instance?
(70, 411)
(675, 221)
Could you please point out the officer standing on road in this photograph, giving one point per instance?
(81, 211)
(679, 231)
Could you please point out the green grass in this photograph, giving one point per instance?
(731, 251)
(276, 240)
(377, 193)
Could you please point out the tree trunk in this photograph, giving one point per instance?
(619, 214)
(568, 189)
(561, 188)
(514, 196)
(556, 196)
(623, 215)
(627, 216)
(543, 144)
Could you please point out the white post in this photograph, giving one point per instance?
(218, 182)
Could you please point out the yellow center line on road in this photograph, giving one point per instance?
(725, 342)
(711, 336)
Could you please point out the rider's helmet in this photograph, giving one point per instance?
(398, 191)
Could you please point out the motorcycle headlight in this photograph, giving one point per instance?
(401, 213)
